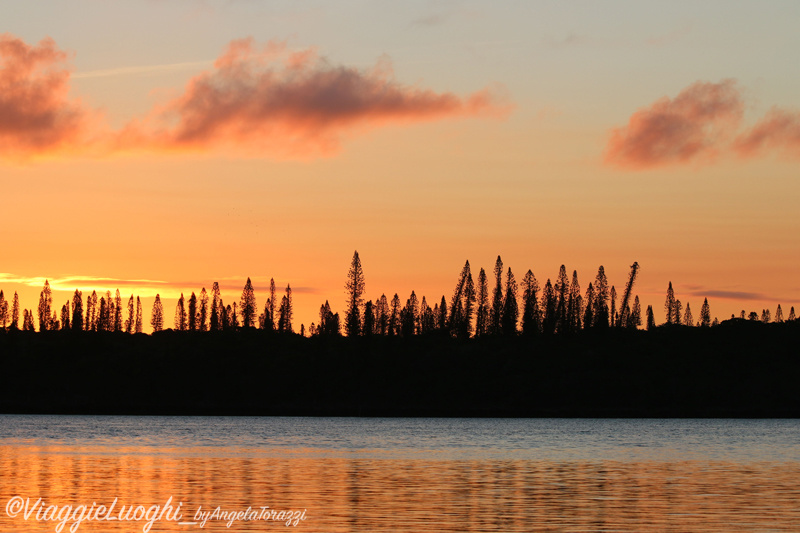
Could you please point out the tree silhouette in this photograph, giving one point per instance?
(103, 316)
(77, 310)
(394, 316)
(678, 307)
(191, 313)
(669, 306)
(497, 298)
(561, 290)
(45, 302)
(688, 319)
(368, 328)
(216, 318)
(409, 316)
(482, 313)
(462, 305)
(355, 290)
(601, 315)
(271, 306)
(549, 306)
(589, 303)
(202, 317)
(131, 322)
(328, 322)
(634, 318)
(705, 314)
(651, 320)
(613, 313)
(180, 315)
(138, 326)
(248, 307)
(624, 311)
(285, 320)
(117, 311)
(427, 321)
(3, 310)
(157, 315)
(65, 311)
(27, 320)
(510, 306)
(575, 304)
(791, 313)
(779, 314)
(530, 304)
(766, 316)
(382, 316)
(91, 312)
(15, 312)
(442, 315)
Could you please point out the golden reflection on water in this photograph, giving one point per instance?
(366, 494)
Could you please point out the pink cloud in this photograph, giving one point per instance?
(779, 129)
(692, 126)
(270, 101)
(36, 116)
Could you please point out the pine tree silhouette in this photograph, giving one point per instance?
(669, 306)
(530, 304)
(394, 316)
(791, 311)
(589, 303)
(130, 323)
(575, 304)
(3, 311)
(549, 305)
(368, 328)
(138, 325)
(601, 296)
(651, 320)
(191, 313)
(15, 312)
(45, 302)
(355, 290)
(634, 318)
(779, 314)
(482, 313)
(65, 311)
(202, 317)
(510, 306)
(705, 314)
(613, 312)
(688, 319)
(497, 298)
(180, 315)
(117, 311)
(216, 319)
(248, 307)
(561, 290)
(77, 310)
(624, 310)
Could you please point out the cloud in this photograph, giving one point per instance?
(268, 100)
(778, 130)
(36, 115)
(693, 126)
(730, 295)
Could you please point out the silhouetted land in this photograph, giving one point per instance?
(737, 369)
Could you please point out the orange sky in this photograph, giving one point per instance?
(222, 141)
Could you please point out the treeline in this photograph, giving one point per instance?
(473, 310)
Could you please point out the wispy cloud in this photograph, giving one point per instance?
(142, 70)
(729, 295)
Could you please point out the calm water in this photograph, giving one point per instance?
(420, 475)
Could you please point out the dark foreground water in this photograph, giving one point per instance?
(413, 475)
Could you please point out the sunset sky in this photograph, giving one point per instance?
(160, 146)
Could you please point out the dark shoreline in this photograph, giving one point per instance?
(735, 370)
